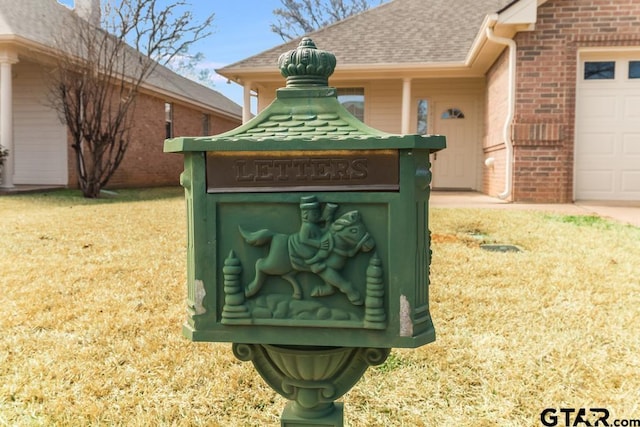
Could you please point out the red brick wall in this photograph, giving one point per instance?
(543, 129)
(145, 164)
(493, 177)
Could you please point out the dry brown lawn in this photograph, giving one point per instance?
(92, 301)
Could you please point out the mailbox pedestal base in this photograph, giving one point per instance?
(335, 418)
(312, 377)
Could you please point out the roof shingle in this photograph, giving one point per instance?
(399, 32)
(38, 21)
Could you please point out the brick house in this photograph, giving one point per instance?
(539, 99)
(40, 152)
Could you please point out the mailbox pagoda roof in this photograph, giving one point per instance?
(306, 113)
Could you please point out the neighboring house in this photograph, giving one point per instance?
(40, 152)
(539, 99)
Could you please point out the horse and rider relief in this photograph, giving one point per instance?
(323, 246)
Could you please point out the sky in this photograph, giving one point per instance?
(241, 28)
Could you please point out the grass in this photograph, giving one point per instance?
(93, 295)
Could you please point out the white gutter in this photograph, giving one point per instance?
(511, 104)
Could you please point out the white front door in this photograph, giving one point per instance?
(456, 166)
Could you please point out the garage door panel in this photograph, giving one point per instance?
(596, 144)
(596, 180)
(630, 181)
(607, 144)
(631, 144)
(601, 107)
(632, 107)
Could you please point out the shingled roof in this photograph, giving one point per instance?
(34, 23)
(398, 32)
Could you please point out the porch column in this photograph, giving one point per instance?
(406, 106)
(246, 102)
(7, 59)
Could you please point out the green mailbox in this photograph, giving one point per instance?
(308, 240)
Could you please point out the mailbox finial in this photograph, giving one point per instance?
(307, 65)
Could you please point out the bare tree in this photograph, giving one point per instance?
(100, 71)
(298, 17)
(192, 66)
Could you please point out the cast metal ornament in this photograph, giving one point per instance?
(323, 246)
(311, 377)
(307, 65)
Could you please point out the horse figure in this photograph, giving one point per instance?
(347, 236)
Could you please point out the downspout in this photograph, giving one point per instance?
(511, 104)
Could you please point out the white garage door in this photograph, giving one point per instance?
(607, 146)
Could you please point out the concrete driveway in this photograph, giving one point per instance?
(624, 212)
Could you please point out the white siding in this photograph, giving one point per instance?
(383, 110)
(383, 104)
(40, 142)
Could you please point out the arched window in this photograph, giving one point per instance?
(452, 113)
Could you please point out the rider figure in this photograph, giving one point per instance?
(313, 231)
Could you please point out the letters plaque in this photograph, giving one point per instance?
(354, 170)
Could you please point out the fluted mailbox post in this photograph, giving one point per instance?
(308, 241)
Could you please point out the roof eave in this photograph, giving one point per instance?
(241, 75)
(518, 16)
(261, 75)
(47, 52)
(157, 91)
(22, 44)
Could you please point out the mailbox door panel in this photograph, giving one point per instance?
(310, 268)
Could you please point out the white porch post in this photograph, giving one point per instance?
(7, 59)
(246, 102)
(406, 106)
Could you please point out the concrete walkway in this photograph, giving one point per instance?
(624, 212)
